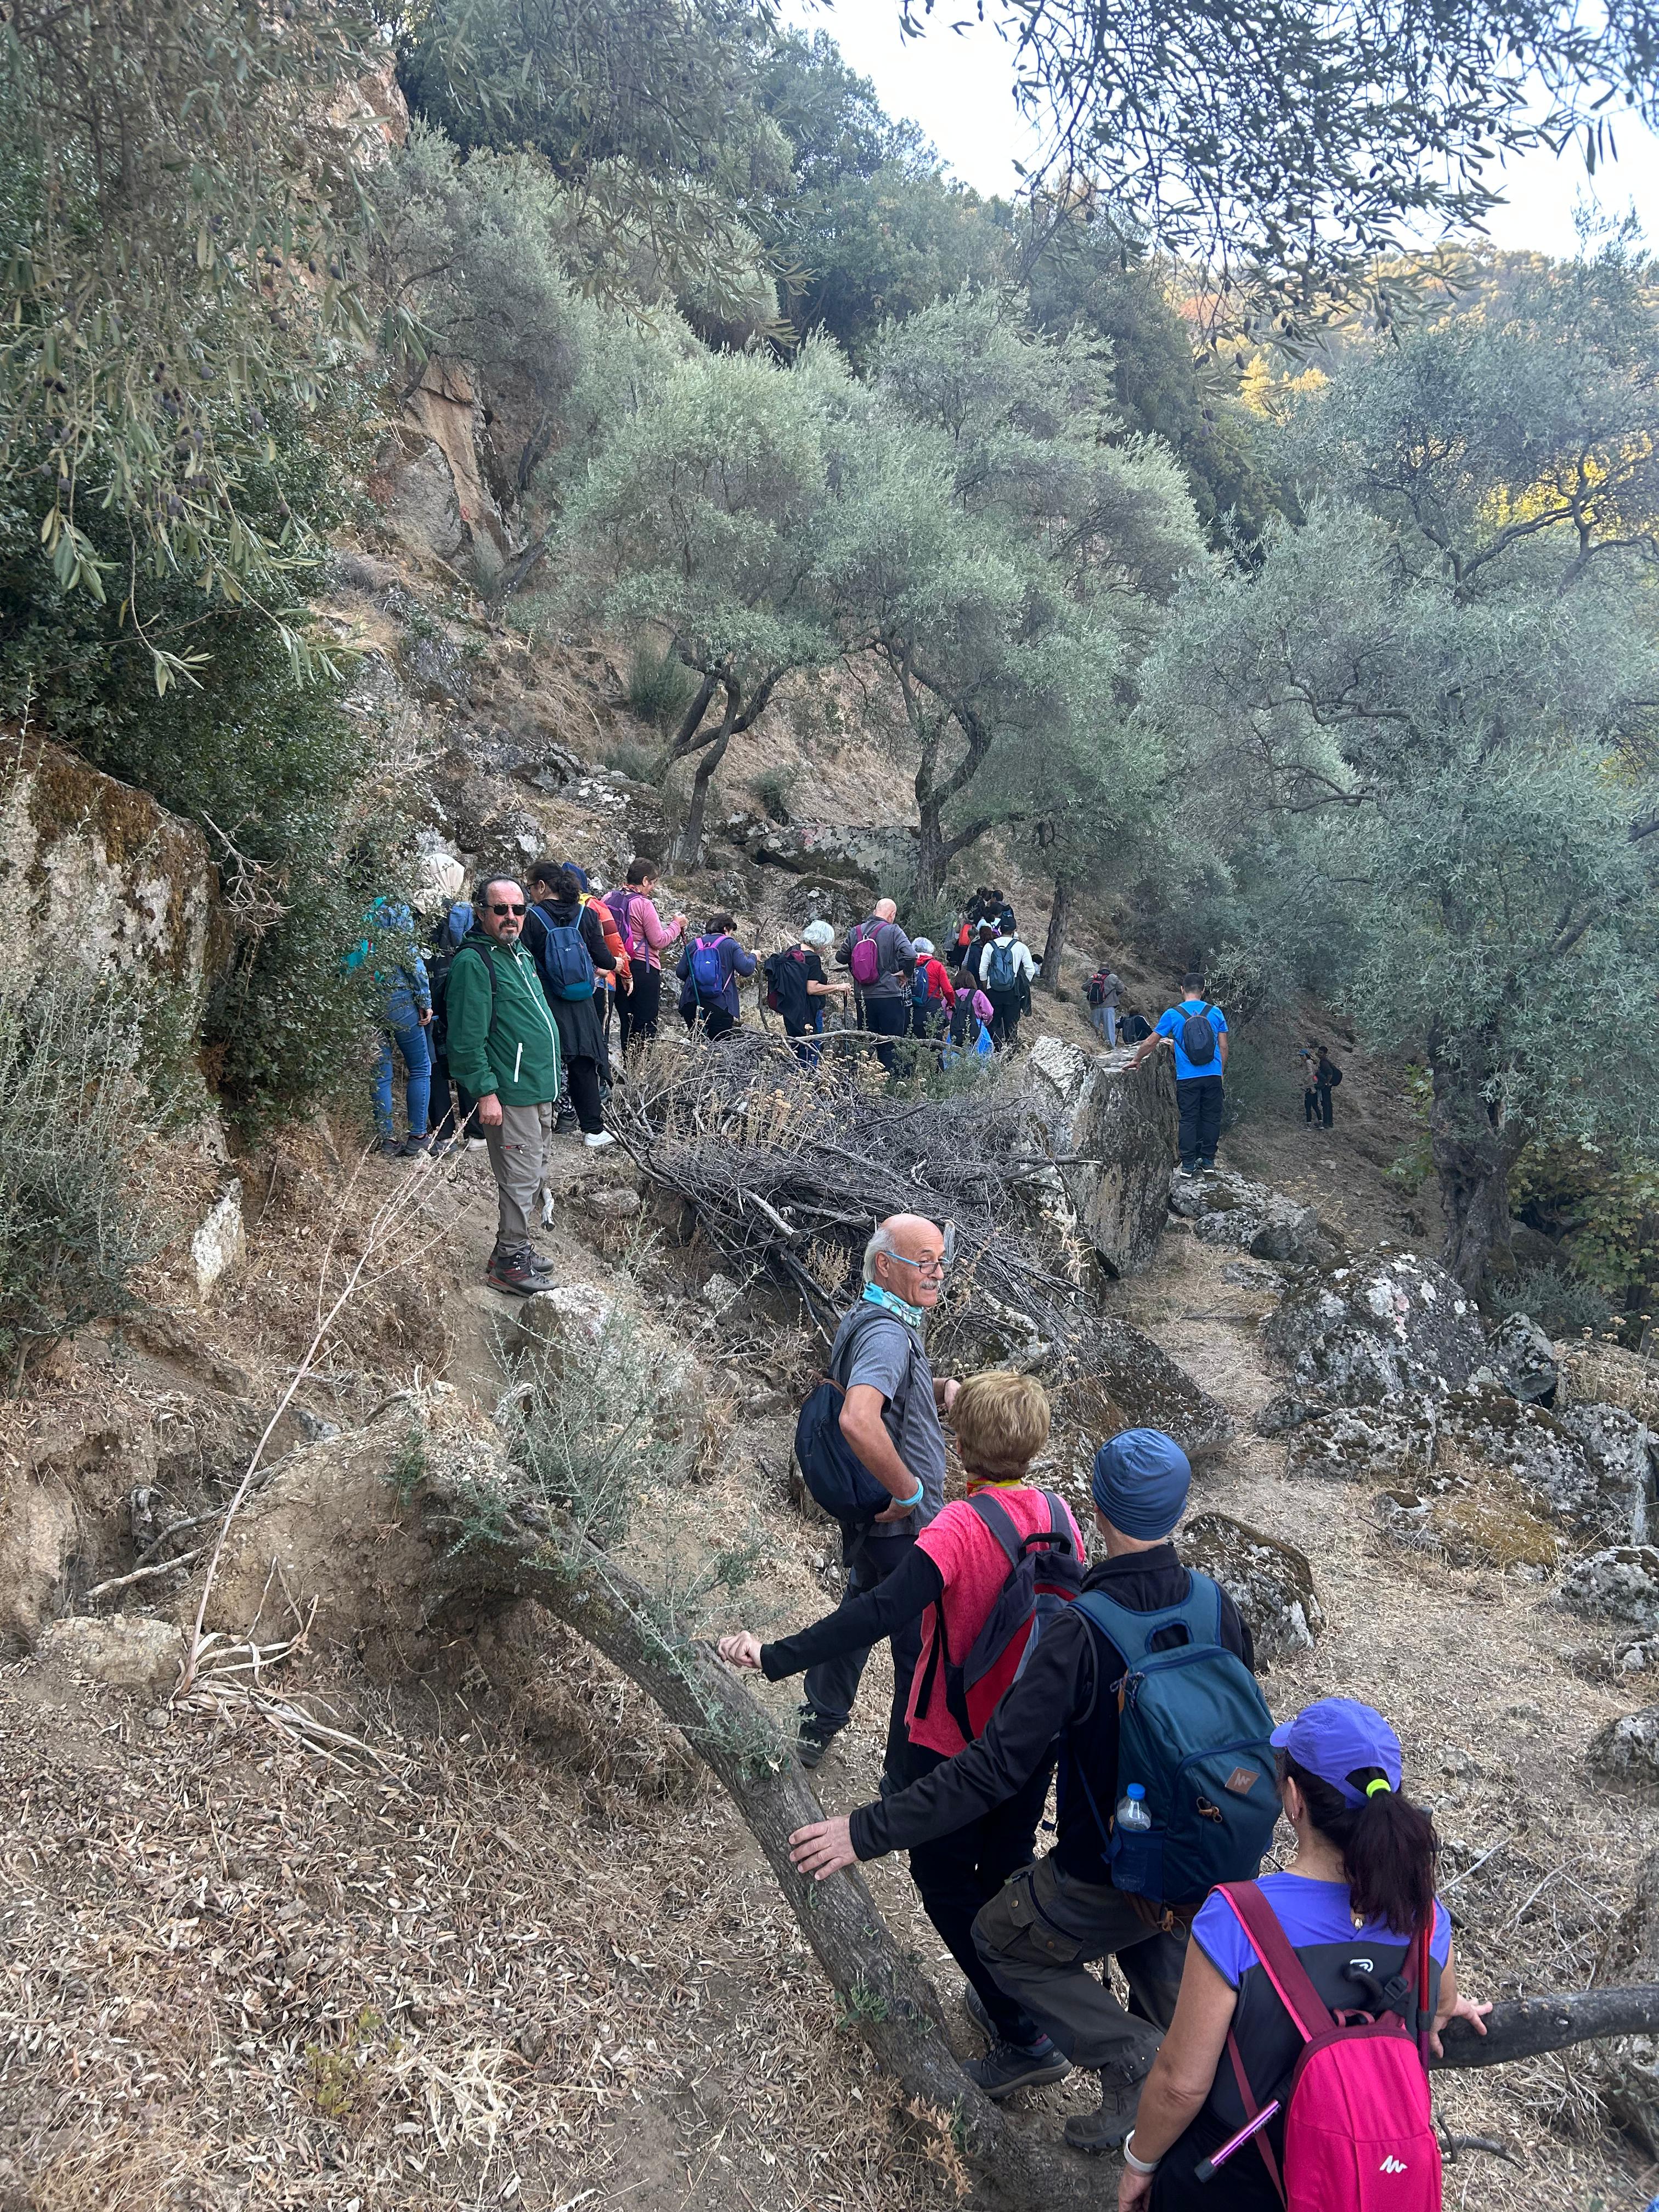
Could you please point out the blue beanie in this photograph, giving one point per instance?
(1140, 1482)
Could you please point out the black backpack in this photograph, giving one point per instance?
(832, 1471)
(785, 984)
(1198, 1037)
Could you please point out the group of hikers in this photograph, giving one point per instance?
(1026, 1651)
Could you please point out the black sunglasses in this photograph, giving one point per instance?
(493, 908)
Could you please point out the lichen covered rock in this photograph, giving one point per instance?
(1627, 1750)
(1127, 1381)
(1365, 1444)
(1229, 1210)
(1620, 1583)
(1471, 1515)
(1520, 1359)
(1373, 1329)
(1271, 1582)
(1110, 1128)
(1531, 1447)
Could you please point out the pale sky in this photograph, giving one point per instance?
(956, 86)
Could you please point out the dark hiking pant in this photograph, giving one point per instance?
(716, 1020)
(445, 1115)
(1038, 1936)
(958, 1874)
(889, 1017)
(1199, 1099)
(832, 1686)
(637, 1009)
(1005, 1019)
(1324, 1096)
(582, 1075)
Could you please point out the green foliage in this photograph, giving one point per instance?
(1562, 1303)
(177, 278)
(77, 1214)
(774, 788)
(660, 687)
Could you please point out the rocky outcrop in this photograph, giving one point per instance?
(1363, 1443)
(1232, 1210)
(107, 878)
(1619, 1584)
(1109, 1127)
(864, 856)
(1472, 1516)
(1270, 1583)
(1130, 1383)
(1520, 1359)
(1375, 1329)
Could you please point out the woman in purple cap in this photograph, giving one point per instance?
(1351, 1904)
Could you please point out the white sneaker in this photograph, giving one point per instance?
(477, 1144)
(599, 1140)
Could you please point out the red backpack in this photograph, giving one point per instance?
(1044, 1574)
(1358, 2126)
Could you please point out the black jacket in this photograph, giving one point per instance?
(579, 1021)
(1062, 1697)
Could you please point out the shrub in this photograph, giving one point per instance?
(660, 687)
(774, 788)
(76, 1214)
(633, 760)
(1561, 1303)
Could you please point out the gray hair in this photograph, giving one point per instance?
(818, 932)
(881, 1246)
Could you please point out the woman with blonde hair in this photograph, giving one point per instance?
(445, 917)
(954, 1580)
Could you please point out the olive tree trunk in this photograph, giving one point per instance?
(1474, 1147)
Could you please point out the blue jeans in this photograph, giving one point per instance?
(412, 1044)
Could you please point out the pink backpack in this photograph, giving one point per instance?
(866, 962)
(1359, 2127)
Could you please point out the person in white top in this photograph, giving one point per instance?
(1005, 969)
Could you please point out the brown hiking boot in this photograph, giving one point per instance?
(524, 1273)
(1105, 2129)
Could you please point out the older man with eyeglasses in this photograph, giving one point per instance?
(890, 1416)
(504, 1048)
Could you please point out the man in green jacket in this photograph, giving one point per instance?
(504, 1049)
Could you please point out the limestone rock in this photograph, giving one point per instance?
(107, 880)
(1519, 1359)
(719, 1293)
(574, 1316)
(1365, 1444)
(1620, 1449)
(1133, 1383)
(127, 1650)
(422, 507)
(1270, 1583)
(1111, 1130)
(1375, 1328)
(1627, 1749)
(1229, 1210)
(1603, 1374)
(220, 1243)
(1620, 1583)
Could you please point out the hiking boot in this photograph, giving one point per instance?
(477, 1144)
(1105, 2128)
(564, 1124)
(814, 1736)
(547, 1209)
(1009, 2066)
(973, 2005)
(417, 1148)
(390, 1149)
(599, 1140)
(522, 1272)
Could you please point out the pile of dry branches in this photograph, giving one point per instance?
(788, 1170)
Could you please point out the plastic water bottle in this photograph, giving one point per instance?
(1132, 1827)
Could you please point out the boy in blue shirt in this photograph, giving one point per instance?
(1199, 1082)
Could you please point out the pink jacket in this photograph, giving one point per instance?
(645, 922)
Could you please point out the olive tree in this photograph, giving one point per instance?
(1432, 713)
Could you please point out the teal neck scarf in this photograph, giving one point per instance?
(913, 1316)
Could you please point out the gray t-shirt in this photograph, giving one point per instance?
(885, 1355)
(895, 952)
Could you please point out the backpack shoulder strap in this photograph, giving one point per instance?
(863, 1319)
(994, 1515)
(1131, 1633)
(1309, 2013)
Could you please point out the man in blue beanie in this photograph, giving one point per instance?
(1039, 1935)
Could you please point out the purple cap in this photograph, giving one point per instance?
(1338, 1737)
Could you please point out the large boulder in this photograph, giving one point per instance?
(1619, 1584)
(1376, 1328)
(1109, 1127)
(1127, 1381)
(1488, 1428)
(1270, 1583)
(101, 877)
(1619, 1447)
(1364, 1444)
(1472, 1516)
(1229, 1210)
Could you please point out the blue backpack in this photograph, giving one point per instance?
(708, 968)
(566, 963)
(832, 1471)
(1000, 976)
(1194, 1731)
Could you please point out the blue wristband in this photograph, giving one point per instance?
(914, 1500)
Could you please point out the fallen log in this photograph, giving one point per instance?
(1522, 2027)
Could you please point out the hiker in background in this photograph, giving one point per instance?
(932, 995)
(1198, 1030)
(712, 964)
(504, 1047)
(890, 1420)
(385, 956)
(566, 940)
(1303, 1069)
(1105, 988)
(1005, 971)
(1347, 1915)
(1135, 1028)
(796, 987)
(881, 959)
(963, 1568)
(445, 917)
(642, 931)
(617, 977)
(1326, 1076)
(1038, 1935)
